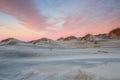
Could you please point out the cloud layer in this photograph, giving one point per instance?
(61, 17)
(25, 11)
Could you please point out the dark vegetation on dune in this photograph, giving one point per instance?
(115, 33)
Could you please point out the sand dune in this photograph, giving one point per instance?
(39, 62)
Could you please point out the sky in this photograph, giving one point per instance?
(33, 19)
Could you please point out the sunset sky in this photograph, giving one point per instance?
(33, 19)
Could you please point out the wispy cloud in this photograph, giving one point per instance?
(2, 26)
(25, 11)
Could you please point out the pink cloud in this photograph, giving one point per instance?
(25, 11)
(76, 22)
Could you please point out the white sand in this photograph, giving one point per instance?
(55, 63)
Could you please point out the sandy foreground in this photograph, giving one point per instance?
(46, 63)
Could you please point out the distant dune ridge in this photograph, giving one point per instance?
(102, 36)
(42, 41)
(11, 41)
(68, 38)
(88, 37)
(113, 34)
